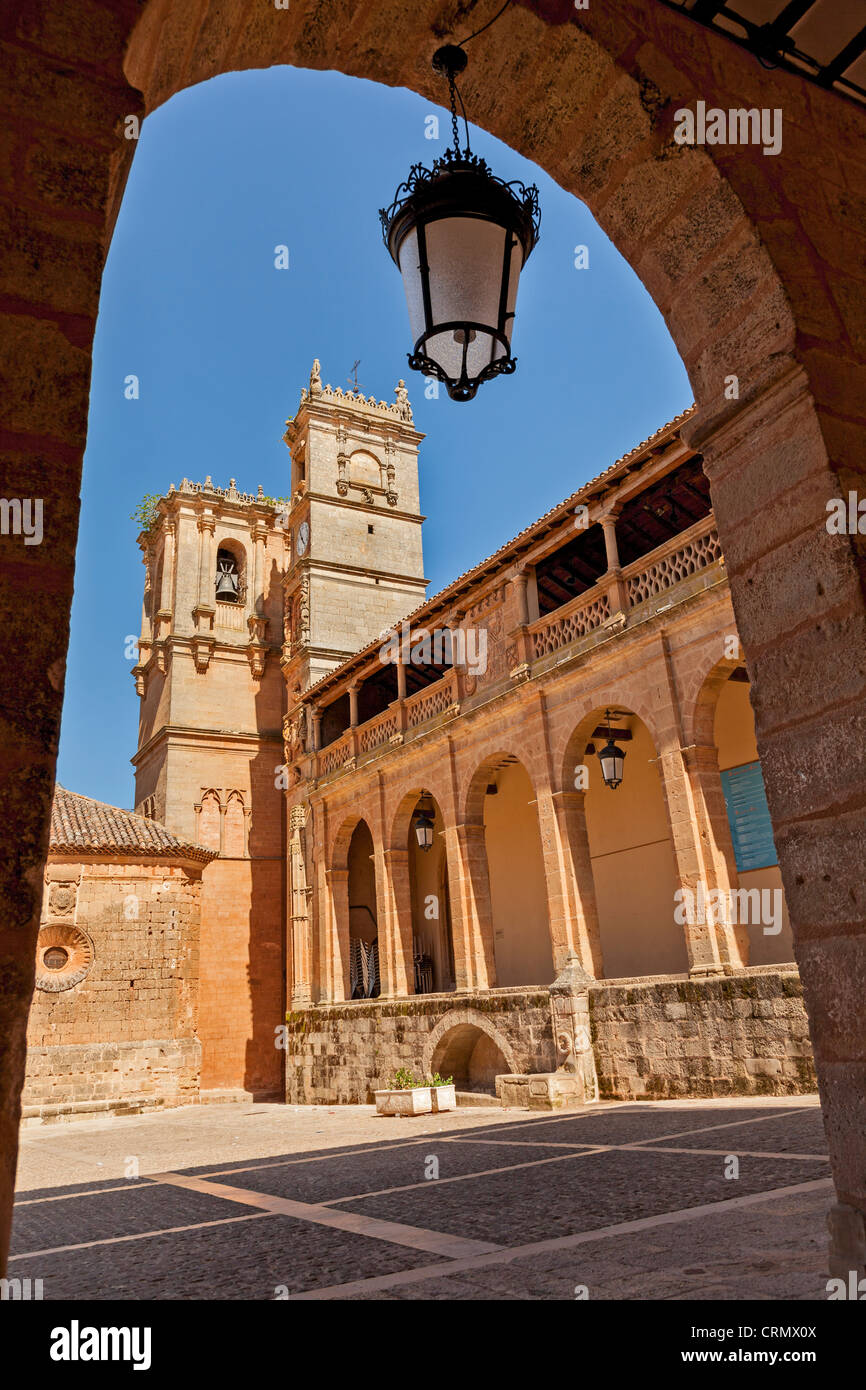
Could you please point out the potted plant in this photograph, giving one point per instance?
(405, 1096)
(443, 1092)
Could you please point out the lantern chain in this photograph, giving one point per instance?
(452, 91)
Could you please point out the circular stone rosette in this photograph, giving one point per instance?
(64, 955)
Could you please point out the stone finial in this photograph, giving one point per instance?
(404, 409)
(261, 491)
(572, 979)
(316, 378)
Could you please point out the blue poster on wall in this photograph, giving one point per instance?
(749, 817)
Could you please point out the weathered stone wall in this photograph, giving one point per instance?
(121, 1077)
(342, 1053)
(119, 1022)
(744, 1034)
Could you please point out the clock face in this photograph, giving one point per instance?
(303, 536)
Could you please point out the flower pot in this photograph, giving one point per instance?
(416, 1101)
(444, 1097)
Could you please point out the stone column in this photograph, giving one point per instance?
(206, 606)
(613, 581)
(471, 912)
(714, 839)
(520, 582)
(702, 945)
(353, 704)
(206, 574)
(393, 895)
(774, 466)
(315, 729)
(334, 963)
(301, 953)
(574, 928)
(258, 596)
(165, 599)
(518, 635)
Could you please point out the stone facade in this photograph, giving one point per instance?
(115, 1015)
(343, 1053)
(665, 1039)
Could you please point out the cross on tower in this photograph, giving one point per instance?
(353, 379)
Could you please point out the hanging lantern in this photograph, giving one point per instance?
(460, 237)
(611, 758)
(423, 827)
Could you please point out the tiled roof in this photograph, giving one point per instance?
(670, 430)
(81, 825)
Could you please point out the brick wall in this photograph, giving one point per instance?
(745, 1034)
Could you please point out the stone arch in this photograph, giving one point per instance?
(353, 911)
(622, 839)
(507, 869)
(475, 783)
(417, 889)
(404, 801)
(231, 546)
(591, 100)
(208, 818)
(573, 742)
(465, 1044)
(701, 699)
(234, 830)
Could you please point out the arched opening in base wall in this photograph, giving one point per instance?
(471, 1057)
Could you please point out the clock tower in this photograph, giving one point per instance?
(354, 527)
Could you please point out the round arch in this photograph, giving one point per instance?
(466, 1045)
(701, 699)
(420, 892)
(507, 870)
(574, 743)
(630, 849)
(592, 100)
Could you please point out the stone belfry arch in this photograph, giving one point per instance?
(355, 560)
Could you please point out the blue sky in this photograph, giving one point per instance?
(222, 343)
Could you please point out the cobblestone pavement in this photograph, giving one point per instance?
(663, 1200)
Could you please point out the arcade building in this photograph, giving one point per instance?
(515, 832)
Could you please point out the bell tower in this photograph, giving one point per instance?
(354, 526)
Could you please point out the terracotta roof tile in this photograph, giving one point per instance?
(81, 825)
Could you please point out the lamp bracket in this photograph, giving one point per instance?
(449, 60)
